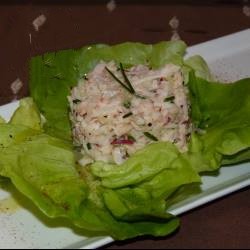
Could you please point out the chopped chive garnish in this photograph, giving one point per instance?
(150, 136)
(75, 101)
(119, 81)
(128, 86)
(126, 79)
(127, 115)
(127, 104)
(88, 146)
(169, 99)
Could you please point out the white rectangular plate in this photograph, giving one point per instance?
(229, 59)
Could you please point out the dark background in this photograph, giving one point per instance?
(73, 24)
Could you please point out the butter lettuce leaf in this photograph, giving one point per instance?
(143, 168)
(199, 66)
(2, 120)
(44, 169)
(27, 114)
(222, 112)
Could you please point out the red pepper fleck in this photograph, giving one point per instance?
(122, 142)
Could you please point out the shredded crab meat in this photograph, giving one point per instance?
(110, 123)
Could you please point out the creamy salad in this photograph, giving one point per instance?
(117, 111)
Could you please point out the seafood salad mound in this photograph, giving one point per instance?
(117, 111)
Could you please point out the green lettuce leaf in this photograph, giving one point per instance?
(145, 164)
(199, 65)
(142, 184)
(222, 111)
(240, 157)
(27, 114)
(2, 120)
(43, 168)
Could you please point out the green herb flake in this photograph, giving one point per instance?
(150, 136)
(169, 99)
(130, 137)
(75, 101)
(127, 104)
(127, 115)
(140, 96)
(89, 146)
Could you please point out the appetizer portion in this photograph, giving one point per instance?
(131, 121)
(117, 111)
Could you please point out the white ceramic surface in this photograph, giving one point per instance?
(229, 59)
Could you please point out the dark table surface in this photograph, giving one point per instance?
(225, 223)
